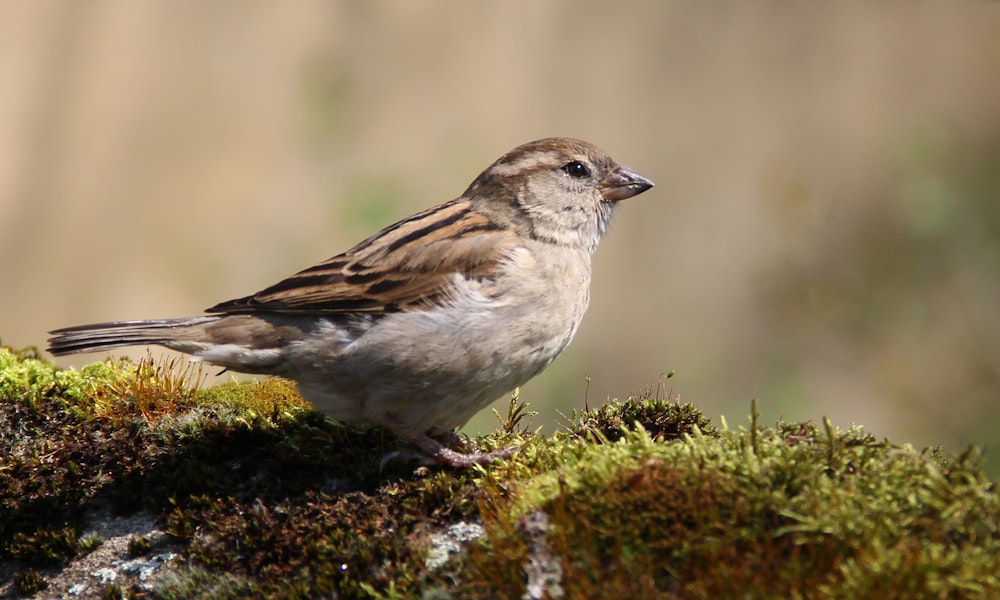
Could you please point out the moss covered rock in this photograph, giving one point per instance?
(261, 496)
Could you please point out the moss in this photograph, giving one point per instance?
(642, 497)
(663, 419)
(139, 545)
(29, 582)
(755, 512)
(113, 591)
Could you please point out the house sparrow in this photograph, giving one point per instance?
(426, 322)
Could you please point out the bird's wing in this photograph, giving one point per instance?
(411, 265)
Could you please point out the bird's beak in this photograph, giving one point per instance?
(623, 183)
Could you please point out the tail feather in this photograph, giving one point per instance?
(104, 336)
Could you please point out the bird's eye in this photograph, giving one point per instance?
(576, 169)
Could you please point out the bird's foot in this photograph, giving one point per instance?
(431, 451)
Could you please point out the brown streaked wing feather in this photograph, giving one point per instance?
(403, 267)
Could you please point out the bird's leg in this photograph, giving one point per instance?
(453, 440)
(433, 451)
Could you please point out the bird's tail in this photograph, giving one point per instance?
(103, 336)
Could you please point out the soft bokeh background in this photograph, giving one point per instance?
(824, 235)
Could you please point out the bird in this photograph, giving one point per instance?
(429, 320)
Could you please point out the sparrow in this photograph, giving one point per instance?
(423, 324)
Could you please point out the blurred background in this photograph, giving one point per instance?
(824, 235)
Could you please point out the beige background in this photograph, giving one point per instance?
(824, 235)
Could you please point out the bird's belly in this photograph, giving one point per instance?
(434, 369)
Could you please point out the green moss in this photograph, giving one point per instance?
(44, 546)
(139, 545)
(29, 582)
(663, 419)
(764, 512)
(642, 497)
